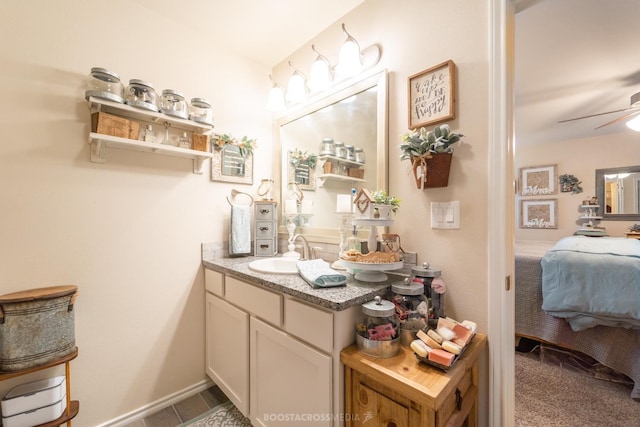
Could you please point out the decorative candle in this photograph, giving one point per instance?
(290, 207)
(306, 206)
(343, 203)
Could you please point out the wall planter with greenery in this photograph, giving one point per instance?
(430, 154)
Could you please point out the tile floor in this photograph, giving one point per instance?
(183, 411)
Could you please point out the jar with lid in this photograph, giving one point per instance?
(411, 308)
(359, 154)
(172, 103)
(425, 276)
(377, 335)
(200, 111)
(349, 152)
(340, 150)
(104, 84)
(327, 148)
(141, 94)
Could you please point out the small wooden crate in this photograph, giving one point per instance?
(108, 124)
(200, 142)
(328, 167)
(356, 173)
(36, 327)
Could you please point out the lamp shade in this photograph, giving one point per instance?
(275, 101)
(320, 74)
(349, 60)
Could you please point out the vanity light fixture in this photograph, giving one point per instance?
(320, 74)
(296, 89)
(349, 58)
(275, 101)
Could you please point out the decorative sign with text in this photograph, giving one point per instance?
(432, 95)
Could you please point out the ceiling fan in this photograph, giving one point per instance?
(633, 110)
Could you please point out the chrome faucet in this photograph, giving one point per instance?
(307, 251)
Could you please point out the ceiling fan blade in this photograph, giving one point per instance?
(598, 114)
(619, 119)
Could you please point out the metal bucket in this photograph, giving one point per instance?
(381, 349)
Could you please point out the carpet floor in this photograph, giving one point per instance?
(559, 396)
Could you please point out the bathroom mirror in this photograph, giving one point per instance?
(355, 113)
(618, 193)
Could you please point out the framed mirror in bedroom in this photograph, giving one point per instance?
(618, 193)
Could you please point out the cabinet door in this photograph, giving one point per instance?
(227, 350)
(290, 381)
(373, 409)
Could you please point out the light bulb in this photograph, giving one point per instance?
(349, 61)
(320, 74)
(634, 124)
(296, 90)
(275, 101)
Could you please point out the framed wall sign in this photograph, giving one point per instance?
(432, 95)
(228, 165)
(538, 213)
(537, 181)
(302, 169)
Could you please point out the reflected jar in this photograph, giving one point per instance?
(104, 84)
(349, 152)
(341, 152)
(141, 94)
(172, 103)
(327, 148)
(200, 111)
(359, 154)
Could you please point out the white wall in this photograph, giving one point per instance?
(127, 232)
(415, 35)
(581, 158)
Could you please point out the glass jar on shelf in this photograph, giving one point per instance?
(359, 154)
(141, 94)
(349, 152)
(184, 141)
(104, 84)
(173, 104)
(340, 150)
(327, 148)
(411, 308)
(200, 111)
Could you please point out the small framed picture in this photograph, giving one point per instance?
(538, 213)
(538, 181)
(432, 95)
(229, 165)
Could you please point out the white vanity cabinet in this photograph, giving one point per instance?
(276, 357)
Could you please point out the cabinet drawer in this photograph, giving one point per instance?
(259, 302)
(265, 247)
(308, 323)
(214, 282)
(464, 395)
(264, 229)
(265, 212)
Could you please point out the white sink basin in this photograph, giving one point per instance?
(279, 265)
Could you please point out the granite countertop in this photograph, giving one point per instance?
(337, 299)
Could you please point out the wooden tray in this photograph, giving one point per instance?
(443, 367)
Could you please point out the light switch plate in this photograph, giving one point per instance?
(445, 215)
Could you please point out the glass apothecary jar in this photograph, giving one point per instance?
(377, 335)
(200, 111)
(104, 84)
(341, 152)
(359, 154)
(327, 148)
(141, 94)
(425, 275)
(349, 152)
(173, 104)
(411, 308)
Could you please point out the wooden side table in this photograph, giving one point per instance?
(401, 391)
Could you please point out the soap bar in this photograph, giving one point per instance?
(427, 339)
(451, 347)
(442, 357)
(463, 335)
(435, 336)
(420, 348)
(446, 322)
(446, 333)
(470, 325)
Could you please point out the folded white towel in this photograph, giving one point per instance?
(319, 274)
(240, 230)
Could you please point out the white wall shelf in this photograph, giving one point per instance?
(100, 142)
(339, 160)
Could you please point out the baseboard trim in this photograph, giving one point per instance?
(158, 405)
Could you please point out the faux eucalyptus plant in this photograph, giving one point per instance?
(421, 141)
(380, 197)
(571, 183)
(245, 144)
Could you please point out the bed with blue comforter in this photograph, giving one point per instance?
(592, 281)
(611, 300)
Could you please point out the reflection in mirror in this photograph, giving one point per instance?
(618, 192)
(353, 114)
